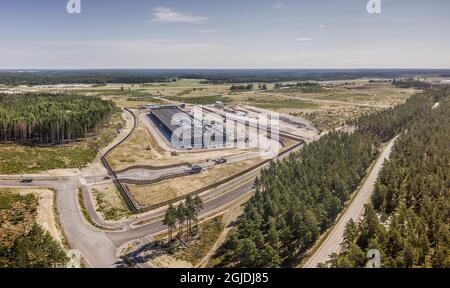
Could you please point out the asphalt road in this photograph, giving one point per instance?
(146, 174)
(99, 247)
(355, 211)
(155, 174)
(95, 246)
(120, 238)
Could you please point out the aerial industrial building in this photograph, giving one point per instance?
(184, 131)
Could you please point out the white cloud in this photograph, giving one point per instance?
(208, 31)
(304, 39)
(278, 5)
(167, 15)
(322, 26)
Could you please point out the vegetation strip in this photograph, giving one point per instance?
(293, 204)
(407, 220)
(86, 214)
(129, 200)
(217, 184)
(324, 236)
(25, 244)
(51, 118)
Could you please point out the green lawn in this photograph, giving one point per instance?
(280, 104)
(210, 232)
(200, 100)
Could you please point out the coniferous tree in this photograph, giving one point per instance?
(36, 249)
(409, 220)
(170, 220)
(181, 217)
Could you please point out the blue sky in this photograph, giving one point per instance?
(224, 34)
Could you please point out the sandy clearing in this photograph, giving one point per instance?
(166, 261)
(46, 211)
(108, 202)
(230, 215)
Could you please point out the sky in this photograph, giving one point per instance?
(224, 34)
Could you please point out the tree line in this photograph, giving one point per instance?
(408, 219)
(297, 199)
(411, 83)
(390, 122)
(184, 214)
(305, 87)
(51, 118)
(214, 76)
(247, 87)
(210, 76)
(34, 249)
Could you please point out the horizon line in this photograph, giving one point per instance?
(228, 68)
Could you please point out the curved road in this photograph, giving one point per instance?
(96, 247)
(99, 247)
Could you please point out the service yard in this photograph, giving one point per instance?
(142, 148)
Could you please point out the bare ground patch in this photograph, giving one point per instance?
(109, 203)
(26, 207)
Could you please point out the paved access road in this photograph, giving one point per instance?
(99, 247)
(96, 247)
(355, 211)
(141, 174)
(120, 238)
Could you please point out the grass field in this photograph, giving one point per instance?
(17, 214)
(363, 92)
(332, 116)
(286, 104)
(209, 232)
(109, 202)
(136, 150)
(21, 208)
(133, 95)
(200, 100)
